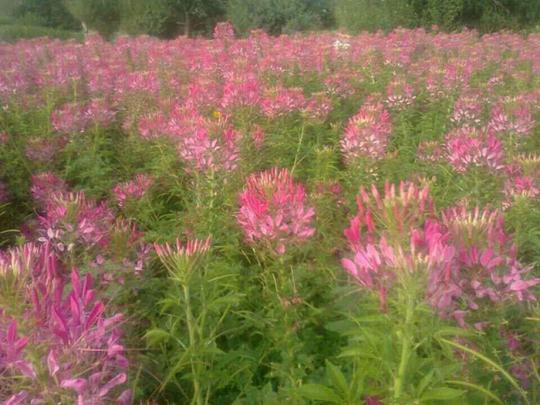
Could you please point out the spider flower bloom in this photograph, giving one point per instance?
(318, 106)
(180, 258)
(11, 352)
(430, 152)
(206, 149)
(273, 211)
(517, 121)
(398, 210)
(529, 164)
(69, 118)
(467, 111)
(224, 31)
(520, 187)
(71, 218)
(485, 266)
(284, 101)
(467, 147)
(43, 150)
(132, 190)
(367, 133)
(399, 94)
(380, 264)
(78, 117)
(45, 185)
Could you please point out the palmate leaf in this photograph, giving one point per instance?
(337, 378)
(491, 363)
(441, 394)
(478, 388)
(318, 392)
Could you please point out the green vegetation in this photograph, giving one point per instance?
(170, 18)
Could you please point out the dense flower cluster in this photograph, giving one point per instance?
(132, 190)
(467, 147)
(367, 133)
(71, 334)
(273, 211)
(464, 257)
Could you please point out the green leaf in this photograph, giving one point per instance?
(337, 378)
(441, 394)
(478, 388)
(156, 336)
(317, 392)
(490, 362)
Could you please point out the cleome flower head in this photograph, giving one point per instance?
(273, 211)
(367, 133)
(469, 147)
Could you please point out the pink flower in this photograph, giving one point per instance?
(399, 94)
(284, 101)
(273, 211)
(467, 111)
(43, 150)
(45, 185)
(258, 137)
(224, 31)
(367, 133)
(318, 106)
(467, 147)
(78, 117)
(520, 187)
(430, 152)
(132, 190)
(517, 120)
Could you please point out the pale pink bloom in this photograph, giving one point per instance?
(224, 31)
(284, 101)
(468, 110)
(517, 120)
(318, 106)
(520, 187)
(43, 150)
(430, 152)
(132, 190)
(367, 133)
(399, 94)
(45, 186)
(273, 211)
(258, 137)
(241, 93)
(468, 147)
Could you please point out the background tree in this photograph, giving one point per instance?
(102, 16)
(47, 13)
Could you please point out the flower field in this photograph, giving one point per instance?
(269, 220)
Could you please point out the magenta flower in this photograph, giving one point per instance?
(367, 133)
(224, 31)
(45, 186)
(11, 350)
(468, 111)
(273, 211)
(283, 101)
(209, 149)
(430, 152)
(318, 106)
(132, 190)
(245, 92)
(517, 121)
(468, 147)
(43, 150)
(70, 220)
(399, 94)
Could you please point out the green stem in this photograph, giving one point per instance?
(405, 349)
(197, 394)
(300, 140)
